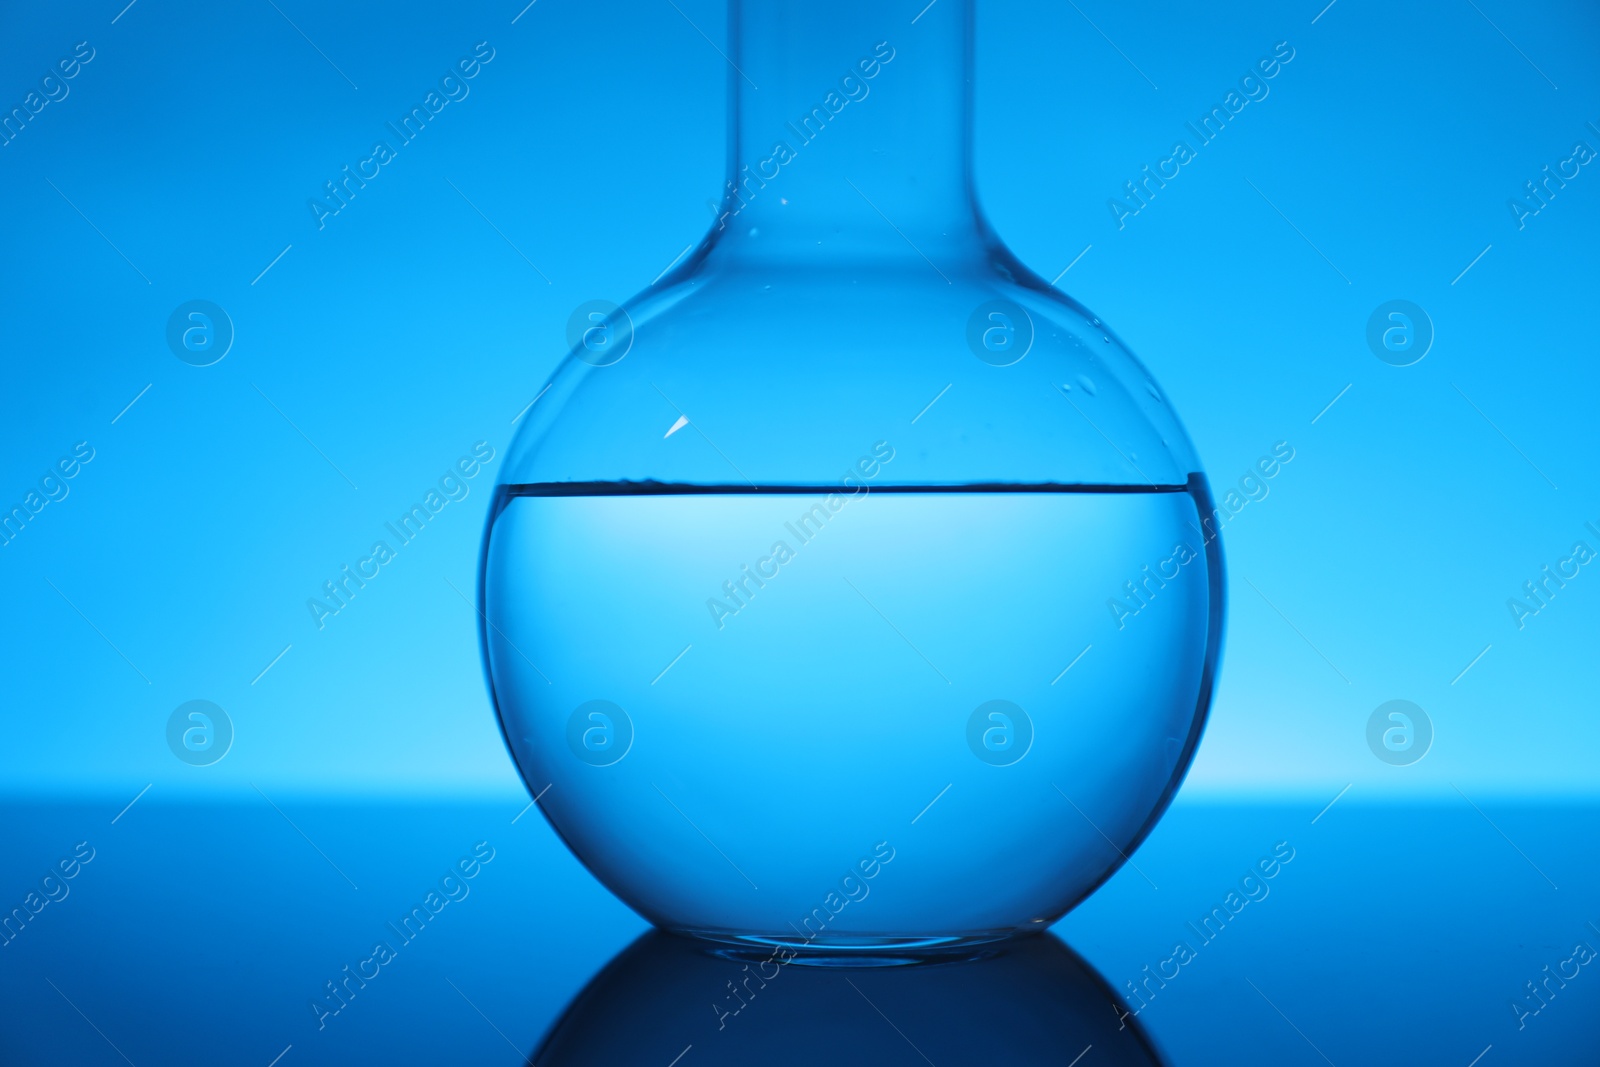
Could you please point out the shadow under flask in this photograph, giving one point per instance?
(850, 590)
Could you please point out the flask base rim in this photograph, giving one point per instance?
(846, 950)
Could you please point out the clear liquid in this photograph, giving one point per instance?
(776, 743)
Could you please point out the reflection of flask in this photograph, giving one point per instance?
(809, 516)
(1036, 1002)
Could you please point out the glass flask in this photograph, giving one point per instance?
(1033, 1004)
(851, 589)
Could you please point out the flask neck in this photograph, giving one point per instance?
(849, 132)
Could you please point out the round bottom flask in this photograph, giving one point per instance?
(851, 590)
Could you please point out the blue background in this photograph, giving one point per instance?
(408, 328)
(412, 326)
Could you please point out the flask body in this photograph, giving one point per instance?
(851, 589)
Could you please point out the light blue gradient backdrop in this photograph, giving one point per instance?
(409, 328)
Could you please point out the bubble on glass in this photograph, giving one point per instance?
(199, 332)
(1399, 333)
(999, 733)
(599, 332)
(599, 733)
(1399, 733)
(999, 332)
(199, 733)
